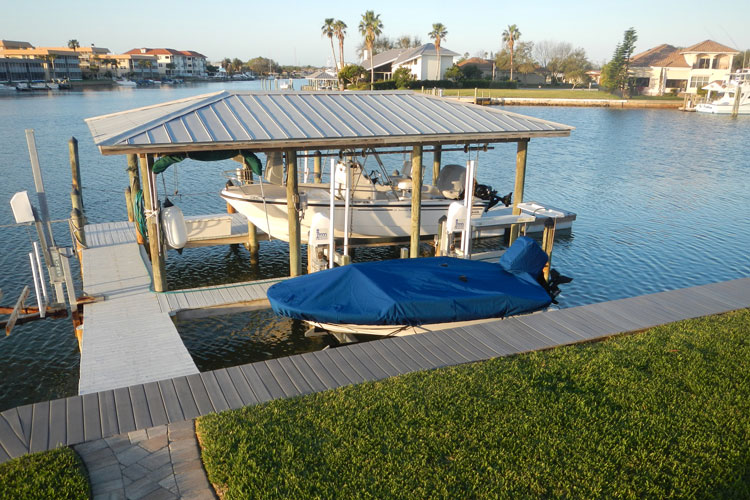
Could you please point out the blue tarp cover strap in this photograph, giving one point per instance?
(165, 161)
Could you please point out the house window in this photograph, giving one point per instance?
(698, 82)
(676, 84)
(704, 63)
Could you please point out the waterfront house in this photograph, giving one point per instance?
(138, 66)
(171, 62)
(57, 63)
(421, 61)
(89, 59)
(485, 66)
(666, 69)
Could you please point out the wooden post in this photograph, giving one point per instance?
(518, 188)
(475, 95)
(154, 245)
(437, 157)
(75, 168)
(736, 104)
(548, 241)
(129, 204)
(292, 204)
(316, 168)
(403, 253)
(416, 200)
(252, 235)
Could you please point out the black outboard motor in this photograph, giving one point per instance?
(485, 192)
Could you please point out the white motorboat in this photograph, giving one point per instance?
(125, 83)
(725, 93)
(380, 204)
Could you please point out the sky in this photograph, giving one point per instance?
(289, 32)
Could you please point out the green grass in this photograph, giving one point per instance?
(57, 474)
(545, 93)
(660, 414)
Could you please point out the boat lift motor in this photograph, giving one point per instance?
(317, 243)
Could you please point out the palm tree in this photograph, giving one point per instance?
(339, 29)
(327, 30)
(438, 33)
(370, 27)
(73, 44)
(510, 36)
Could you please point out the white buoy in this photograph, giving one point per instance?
(173, 224)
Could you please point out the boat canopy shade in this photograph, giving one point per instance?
(408, 292)
(165, 161)
(263, 121)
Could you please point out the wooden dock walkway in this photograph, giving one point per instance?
(76, 419)
(129, 337)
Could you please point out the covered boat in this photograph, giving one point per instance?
(393, 297)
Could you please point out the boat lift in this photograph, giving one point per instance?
(56, 258)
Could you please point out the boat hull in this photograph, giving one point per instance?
(386, 218)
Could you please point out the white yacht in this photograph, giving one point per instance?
(721, 96)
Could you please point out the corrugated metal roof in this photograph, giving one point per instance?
(321, 120)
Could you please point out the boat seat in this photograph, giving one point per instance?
(428, 189)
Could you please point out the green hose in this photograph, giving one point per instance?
(139, 214)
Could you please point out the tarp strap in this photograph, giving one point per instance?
(165, 161)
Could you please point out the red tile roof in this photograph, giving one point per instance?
(710, 46)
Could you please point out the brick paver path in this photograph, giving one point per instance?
(158, 463)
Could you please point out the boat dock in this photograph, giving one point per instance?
(86, 417)
(129, 336)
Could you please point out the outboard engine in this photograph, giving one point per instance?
(485, 192)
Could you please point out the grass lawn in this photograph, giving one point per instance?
(545, 93)
(665, 413)
(55, 474)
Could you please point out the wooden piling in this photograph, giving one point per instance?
(252, 235)
(437, 156)
(548, 241)
(416, 200)
(75, 168)
(129, 204)
(317, 179)
(519, 185)
(292, 204)
(152, 220)
(736, 104)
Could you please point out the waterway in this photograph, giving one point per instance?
(661, 198)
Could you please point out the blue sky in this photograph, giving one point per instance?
(289, 31)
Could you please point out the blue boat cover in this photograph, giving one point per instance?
(524, 255)
(408, 292)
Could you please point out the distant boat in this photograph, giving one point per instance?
(727, 90)
(4, 88)
(125, 83)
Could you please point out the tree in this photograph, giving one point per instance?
(170, 68)
(741, 60)
(438, 34)
(510, 36)
(524, 58)
(237, 65)
(339, 29)
(402, 76)
(351, 74)
(370, 27)
(73, 44)
(262, 65)
(575, 66)
(52, 58)
(615, 72)
(327, 30)
(471, 72)
(455, 73)
(226, 63)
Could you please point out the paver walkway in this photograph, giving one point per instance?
(160, 462)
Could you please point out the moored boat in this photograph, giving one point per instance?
(408, 296)
(726, 95)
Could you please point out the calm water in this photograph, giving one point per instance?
(660, 195)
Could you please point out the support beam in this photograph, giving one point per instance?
(437, 156)
(152, 220)
(292, 204)
(416, 200)
(518, 188)
(317, 168)
(252, 235)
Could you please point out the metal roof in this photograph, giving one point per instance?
(264, 121)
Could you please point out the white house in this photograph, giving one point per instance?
(172, 62)
(421, 61)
